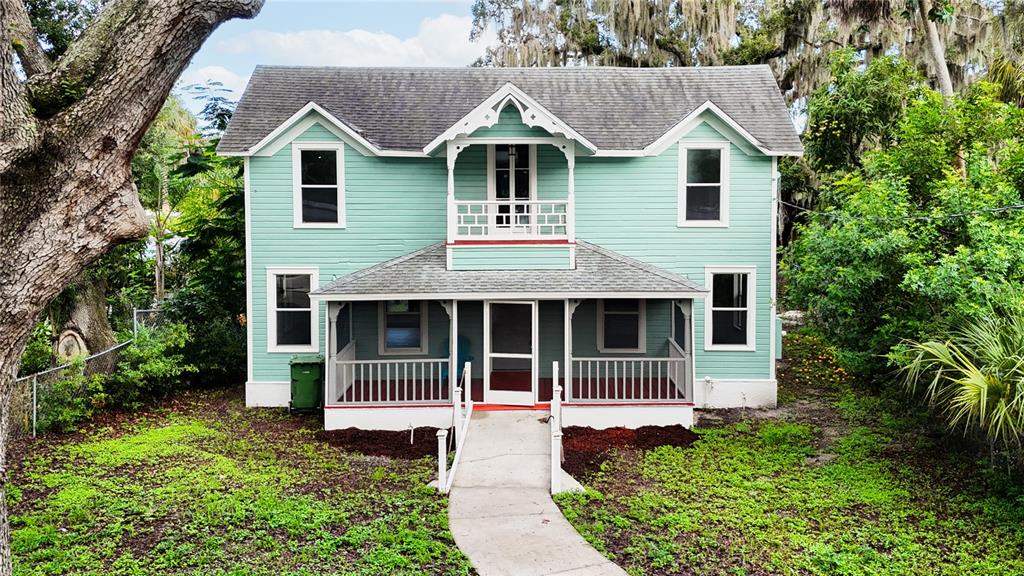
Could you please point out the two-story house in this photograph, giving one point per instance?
(614, 225)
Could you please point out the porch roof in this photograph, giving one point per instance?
(423, 274)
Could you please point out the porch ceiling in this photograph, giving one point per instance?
(599, 273)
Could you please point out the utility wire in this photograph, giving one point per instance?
(906, 218)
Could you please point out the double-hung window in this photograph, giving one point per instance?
(621, 326)
(403, 327)
(729, 311)
(292, 319)
(703, 185)
(318, 184)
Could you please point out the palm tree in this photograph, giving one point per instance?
(164, 147)
(976, 377)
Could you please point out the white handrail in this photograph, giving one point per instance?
(460, 433)
(556, 431)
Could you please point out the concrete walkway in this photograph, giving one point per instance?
(500, 510)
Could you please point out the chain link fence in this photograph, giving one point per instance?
(35, 394)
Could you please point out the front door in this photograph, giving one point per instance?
(510, 359)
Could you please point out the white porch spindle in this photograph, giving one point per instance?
(633, 380)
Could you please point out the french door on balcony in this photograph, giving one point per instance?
(514, 180)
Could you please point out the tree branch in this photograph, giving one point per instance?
(23, 38)
(19, 130)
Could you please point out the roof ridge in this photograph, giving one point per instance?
(671, 276)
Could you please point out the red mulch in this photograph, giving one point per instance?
(585, 449)
(384, 443)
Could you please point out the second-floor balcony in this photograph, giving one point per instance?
(510, 220)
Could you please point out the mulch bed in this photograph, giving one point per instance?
(383, 443)
(585, 449)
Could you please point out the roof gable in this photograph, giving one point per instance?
(404, 111)
(490, 111)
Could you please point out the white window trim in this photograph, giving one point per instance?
(751, 271)
(314, 328)
(383, 350)
(723, 221)
(492, 186)
(642, 340)
(297, 148)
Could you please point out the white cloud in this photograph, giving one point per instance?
(207, 74)
(440, 41)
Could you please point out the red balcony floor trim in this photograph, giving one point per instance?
(507, 242)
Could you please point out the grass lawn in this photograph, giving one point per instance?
(207, 487)
(832, 482)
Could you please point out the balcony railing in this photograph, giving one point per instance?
(509, 220)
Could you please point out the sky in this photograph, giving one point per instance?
(337, 33)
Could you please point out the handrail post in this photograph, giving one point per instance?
(556, 431)
(442, 460)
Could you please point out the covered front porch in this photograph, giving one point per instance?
(512, 348)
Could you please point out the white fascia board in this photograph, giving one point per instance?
(336, 126)
(487, 112)
(508, 296)
(691, 120)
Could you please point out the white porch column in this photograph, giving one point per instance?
(570, 157)
(452, 211)
(567, 366)
(331, 338)
(453, 352)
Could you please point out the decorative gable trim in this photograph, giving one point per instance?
(487, 113)
(310, 114)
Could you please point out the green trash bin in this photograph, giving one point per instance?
(307, 382)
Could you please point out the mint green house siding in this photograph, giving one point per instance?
(396, 205)
(629, 205)
(393, 206)
(557, 257)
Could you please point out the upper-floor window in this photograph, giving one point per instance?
(512, 181)
(621, 326)
(729, 311)
(318, 185)
(403, 327)
(703, 184)
(292, 318)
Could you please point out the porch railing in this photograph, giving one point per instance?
(610, 380)
(463, 406)
(398, 381)
(517, 219)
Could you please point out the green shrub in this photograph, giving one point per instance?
(974, 376)
(66, 402)
(218, 343)
(151, 366)
(38, 354)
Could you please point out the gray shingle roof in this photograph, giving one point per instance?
(423, 272)
(614, 108)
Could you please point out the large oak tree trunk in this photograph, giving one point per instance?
(67, 136)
